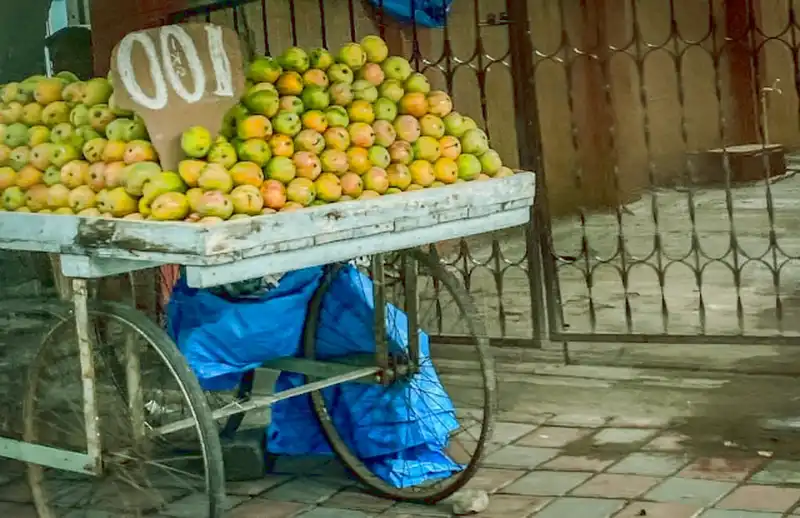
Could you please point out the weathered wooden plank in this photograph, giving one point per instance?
(36, 232)
(387, 228)
(293, 259)
(88, 267)
(74, 234)
(257, 232)
(339, 224)
(144, 236)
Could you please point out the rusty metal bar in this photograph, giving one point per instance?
(541, 271)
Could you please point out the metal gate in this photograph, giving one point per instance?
(662, 132)
(681, 120)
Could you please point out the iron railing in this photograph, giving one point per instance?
(640, 233)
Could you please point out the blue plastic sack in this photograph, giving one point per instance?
(400, 431)
(221, 338)
(427, 13)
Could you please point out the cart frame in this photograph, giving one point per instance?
(92, 248)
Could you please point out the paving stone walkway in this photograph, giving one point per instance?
(560, 466)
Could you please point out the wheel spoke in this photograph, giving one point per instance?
(141, 474)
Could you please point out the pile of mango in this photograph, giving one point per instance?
(312, 128)
(65, 148)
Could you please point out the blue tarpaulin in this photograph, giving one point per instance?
(427, 13)
(401, 430)
(223, 338)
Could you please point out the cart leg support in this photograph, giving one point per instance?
(379, 296)
(80, 299)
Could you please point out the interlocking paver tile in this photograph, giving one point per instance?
(358, 501)
(579, 463)
(652, 464)
(506, 433)
(716, 468)
(260, 508)
(513, 506)
(324, 512)
(580, 507)
(690, 491)
(779, 472)
(639, 422)
(520, 457)
(196, 505)
(94, 513)
(406, 510)
(306, 490)
(761, 498)
(578, 420)
(553, 436)
(608, 485)
(462, 449)
(669, 441)
(256, 487)
(525, 416)
(726, 513)
(492, 479)
(659, 510)
(626, 436)
(547, 483)
(301, 464)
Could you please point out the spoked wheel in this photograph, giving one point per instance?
(160, 450)
(415, 423)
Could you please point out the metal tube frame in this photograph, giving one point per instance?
(330, 373)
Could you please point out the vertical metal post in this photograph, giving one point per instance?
(411, 297)
(541, 268)
(80, 299)
(133, 377)
(379, 301)
(133, 381)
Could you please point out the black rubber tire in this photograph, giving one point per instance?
(207, 429)
(425, 494)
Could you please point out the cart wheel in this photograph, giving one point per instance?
(444, 307)
(160, 447)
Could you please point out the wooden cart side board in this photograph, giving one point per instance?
(387, 229)
(74, 234)
(90, 245)
(328, 219)
(310, 251)
(325, 253)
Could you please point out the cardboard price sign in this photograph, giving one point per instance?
(178, 76)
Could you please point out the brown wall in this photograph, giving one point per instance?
(617, 115)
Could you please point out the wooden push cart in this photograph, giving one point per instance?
(113, 417)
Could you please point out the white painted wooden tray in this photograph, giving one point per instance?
(247, 248)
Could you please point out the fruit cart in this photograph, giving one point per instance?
(99, 430)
